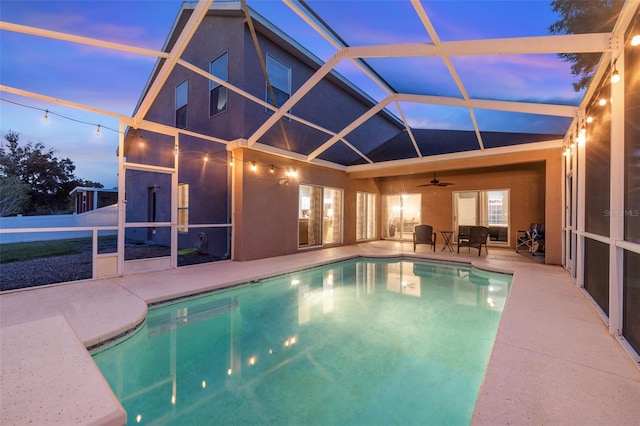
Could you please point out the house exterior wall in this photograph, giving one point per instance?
(209, 184)
(265, 214)
(327, 104)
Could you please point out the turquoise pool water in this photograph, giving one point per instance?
(361, 342)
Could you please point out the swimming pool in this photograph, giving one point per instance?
(364, 341)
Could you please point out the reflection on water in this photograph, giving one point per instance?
(338, 344)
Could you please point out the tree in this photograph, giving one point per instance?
(48, 178)
(14, 195)
(580, 16)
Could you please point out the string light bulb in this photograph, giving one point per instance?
(98, 130)
(254, 167)
(272, 169)
(589, 119)
(46, 114)
(635, 40)
(615, 76)
(582, 137)
(206, 157)
(602, 102)
(231, 162)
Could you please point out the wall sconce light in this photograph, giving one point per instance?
(292, 173)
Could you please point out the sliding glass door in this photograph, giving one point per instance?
(483, 208)
(401, 215)
(366, 220)
(319, 216)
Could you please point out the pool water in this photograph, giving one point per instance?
(360, 342)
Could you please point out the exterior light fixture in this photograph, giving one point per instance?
(615, 76)
(635, 40)
(582, 137)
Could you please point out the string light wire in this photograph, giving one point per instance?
(48, 112)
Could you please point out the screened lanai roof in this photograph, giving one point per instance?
(465, 77)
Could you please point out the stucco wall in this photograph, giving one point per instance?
(266, 213)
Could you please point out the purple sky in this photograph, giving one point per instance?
(113, 80)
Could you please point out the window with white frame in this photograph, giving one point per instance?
(182, 98)
(183, 207)
(366, 219)
(280, 79)
(219, 67)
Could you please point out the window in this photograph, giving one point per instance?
(485, 208)
(280, 79)
(320, 216)
(366, 220)
(182, 99)
(217, 93)
(183, 207)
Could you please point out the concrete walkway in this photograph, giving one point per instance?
(553, 361)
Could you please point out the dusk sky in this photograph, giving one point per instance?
(113, 81)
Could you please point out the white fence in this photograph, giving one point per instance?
(106, 216)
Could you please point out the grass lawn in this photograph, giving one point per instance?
(16, 252)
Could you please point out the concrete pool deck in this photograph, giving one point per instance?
(553, 361)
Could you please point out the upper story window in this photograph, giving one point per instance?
(280, 79)
(217, 93)
(182, 99)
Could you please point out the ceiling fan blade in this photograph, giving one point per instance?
(436, 182)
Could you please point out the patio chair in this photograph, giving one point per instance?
(537, 239)
(532, 238)
(478, 236)
(463, 236)
(423, 234)
(523, 238)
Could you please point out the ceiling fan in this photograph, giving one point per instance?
(436, 182)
